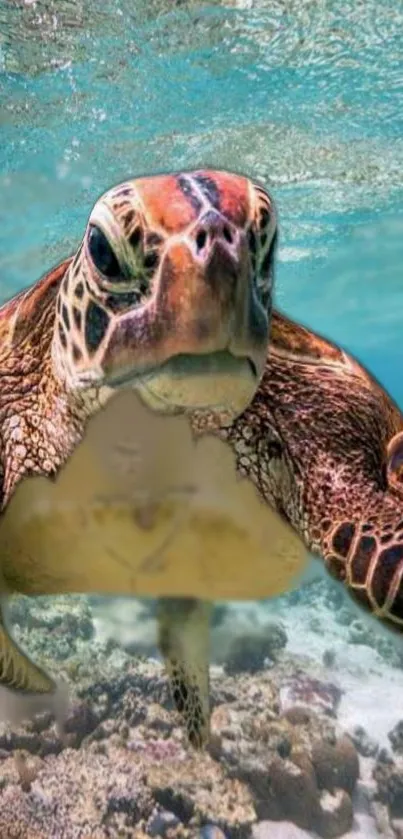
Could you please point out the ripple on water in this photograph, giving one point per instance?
(302, 95)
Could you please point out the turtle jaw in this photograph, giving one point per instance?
(219, 382)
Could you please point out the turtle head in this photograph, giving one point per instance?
(170, 292)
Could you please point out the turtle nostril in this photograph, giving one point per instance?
(201, 239)
(227, 234)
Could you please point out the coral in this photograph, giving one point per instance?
(335, 816)
(359, 633)
(318, 592)
(304, 690)
(73, 613)
(396, 738)
(336, 766)
(248, 652)
(27, 770)
(278, 767)
(364, 744)
(75, 795)
(329, 658)
(81, 721)
(131, 772)
(388, 775)
(298, 715)
(177, 787)
(53, 627)
(39, 737)
(292, 793)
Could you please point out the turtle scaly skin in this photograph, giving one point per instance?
(169, 293)
(323, 442)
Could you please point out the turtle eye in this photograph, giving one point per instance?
(264, 219)
(264, 277)
(102, 254)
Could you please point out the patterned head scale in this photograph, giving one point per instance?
(172, 281)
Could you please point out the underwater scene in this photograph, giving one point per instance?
(197, 182)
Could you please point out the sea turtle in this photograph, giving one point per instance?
(320, 439)
(167, 298)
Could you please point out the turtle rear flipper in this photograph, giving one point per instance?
(17, 671)
(184, 632)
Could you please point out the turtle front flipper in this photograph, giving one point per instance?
(184, 634)
(17, 671)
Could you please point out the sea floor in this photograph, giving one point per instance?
(306, 717)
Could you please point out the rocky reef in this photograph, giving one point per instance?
(280, 763)
(123, 763)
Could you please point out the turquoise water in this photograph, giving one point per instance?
(306, 96)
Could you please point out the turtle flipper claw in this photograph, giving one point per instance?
(17, 671)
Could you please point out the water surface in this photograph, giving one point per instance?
(305, 96)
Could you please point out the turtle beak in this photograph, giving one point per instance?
(203, 322)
